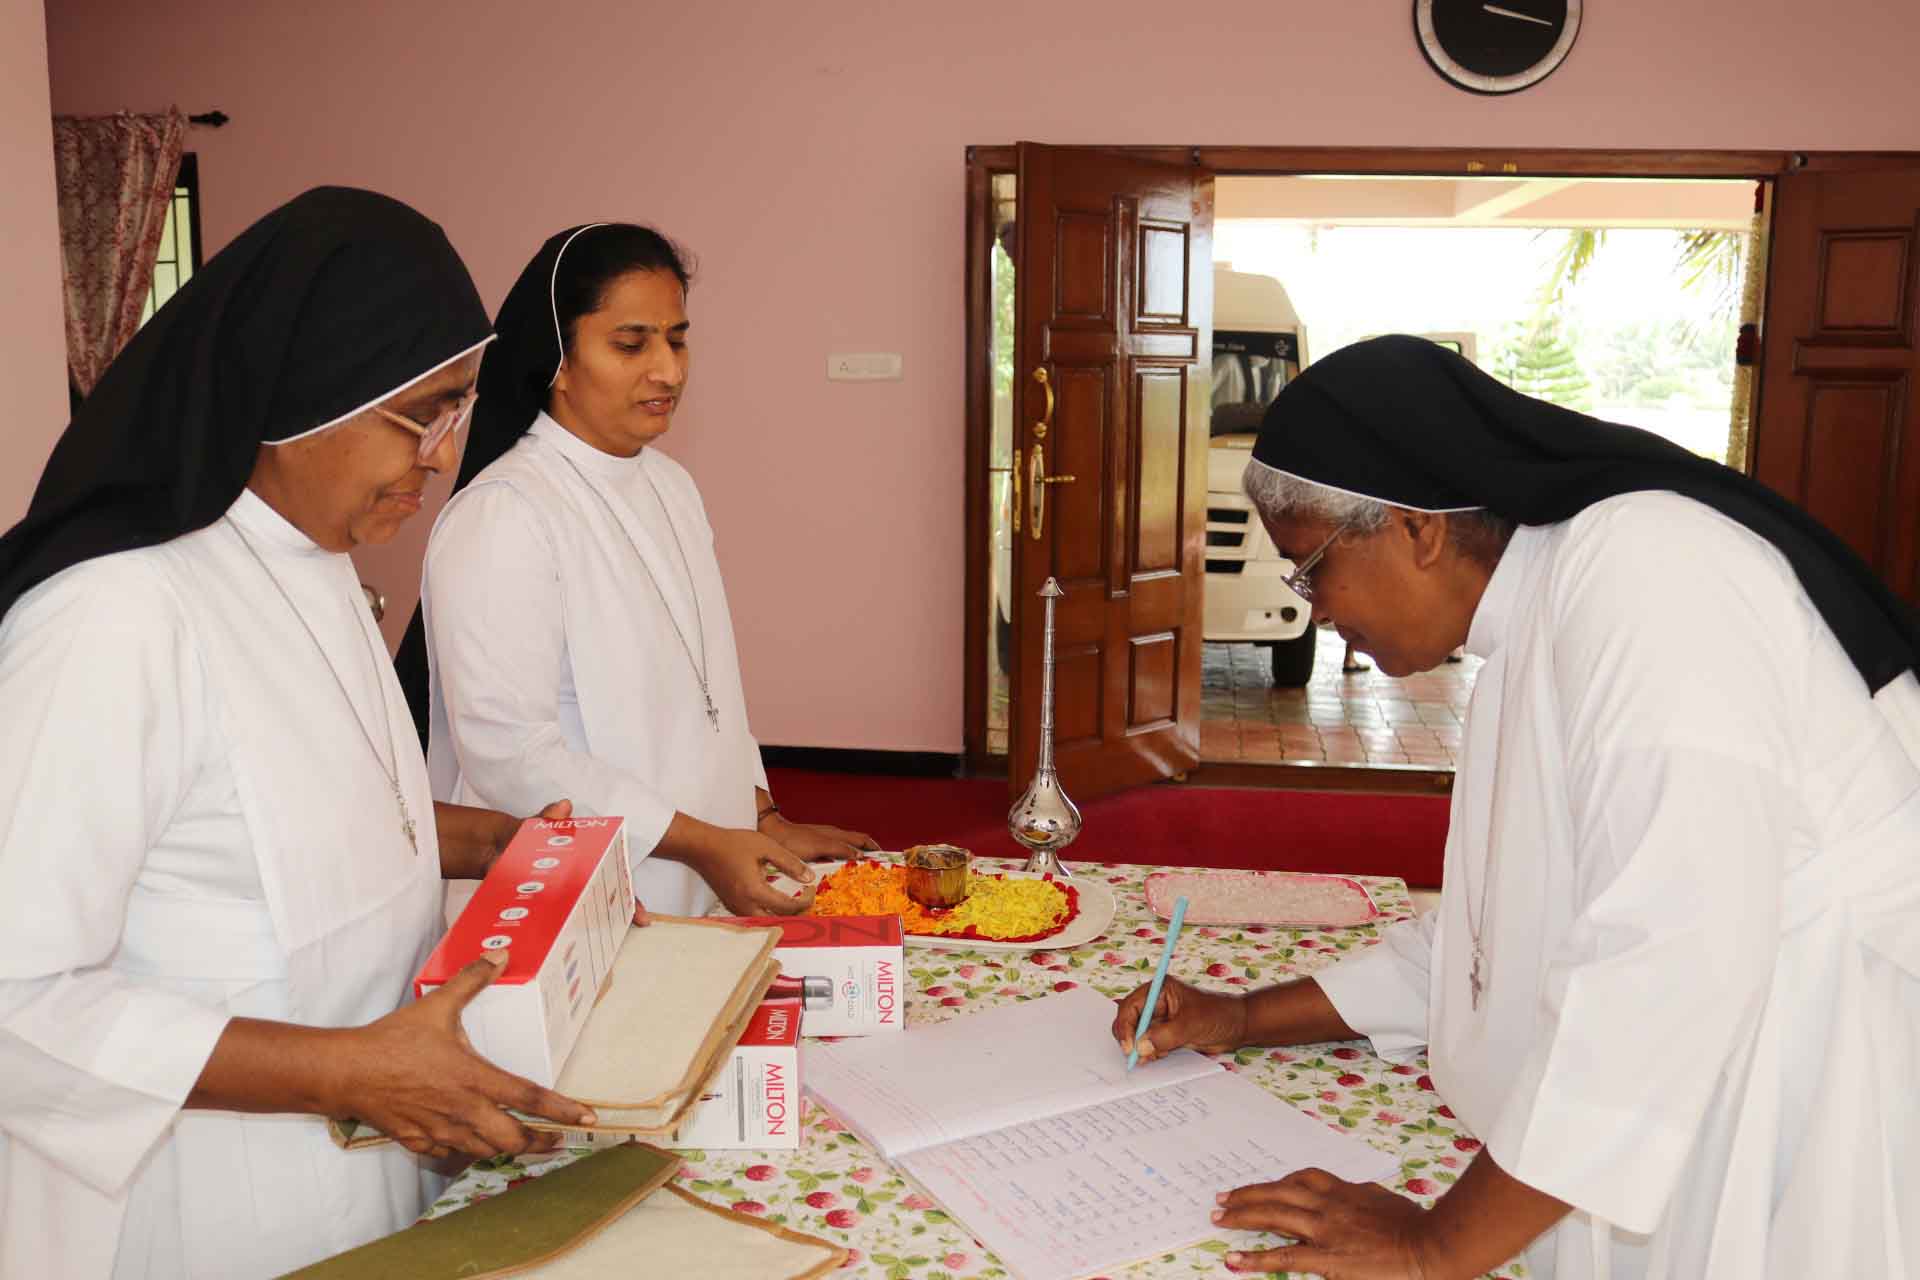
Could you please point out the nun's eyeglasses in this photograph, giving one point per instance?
(434, 434)
(1300, 581)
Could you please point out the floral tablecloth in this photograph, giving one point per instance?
(837, 1187)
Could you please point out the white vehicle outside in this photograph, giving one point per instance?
(1259, 345)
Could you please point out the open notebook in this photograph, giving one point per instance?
(1024, 1123)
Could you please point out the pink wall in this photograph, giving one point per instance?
(811, 155)
(33, 348)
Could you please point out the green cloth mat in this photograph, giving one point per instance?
(512, 1232)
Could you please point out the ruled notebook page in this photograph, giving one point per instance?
(983, 1071)
(1096, 1188)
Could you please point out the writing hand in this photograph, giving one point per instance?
(1186, 1017)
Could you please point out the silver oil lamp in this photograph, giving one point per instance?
(1043, 819)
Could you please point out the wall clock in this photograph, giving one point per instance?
(1496, 46)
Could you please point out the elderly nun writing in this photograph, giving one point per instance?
(1674, 978)
(220, 865)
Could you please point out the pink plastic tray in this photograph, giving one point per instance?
(1295, 899)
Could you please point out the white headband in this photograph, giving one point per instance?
(385, 395)
(553, 300)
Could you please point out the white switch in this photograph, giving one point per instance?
(870, 366)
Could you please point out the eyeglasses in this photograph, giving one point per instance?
(1300, 581)
(434, 434)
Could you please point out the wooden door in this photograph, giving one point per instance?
(1114, 307)
(1838, 427)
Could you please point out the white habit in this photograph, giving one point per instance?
(556, 600)
(192, 828)
(1698, 842)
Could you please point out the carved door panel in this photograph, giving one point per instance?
(1113, 328)
(1838, 429)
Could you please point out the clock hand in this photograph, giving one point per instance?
(1510, 13)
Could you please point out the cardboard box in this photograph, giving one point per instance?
(849, 972)
(754, 1103)
(560, 901)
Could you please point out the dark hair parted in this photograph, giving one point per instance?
(599, 256)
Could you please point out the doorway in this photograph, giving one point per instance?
(1841, 296)
(1619, 297)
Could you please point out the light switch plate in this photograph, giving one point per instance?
(869, 366)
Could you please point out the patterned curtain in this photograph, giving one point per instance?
(115, 176)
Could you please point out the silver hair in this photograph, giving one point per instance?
(1477, 532)
(1279, 496)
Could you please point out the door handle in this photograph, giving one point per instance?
(1041, 427)
(1037, 482)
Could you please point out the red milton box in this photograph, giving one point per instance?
(754, 1103)
(848, 972)
(559, 901)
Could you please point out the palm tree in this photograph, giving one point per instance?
(1706, 261)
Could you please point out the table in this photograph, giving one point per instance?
(838, 1188)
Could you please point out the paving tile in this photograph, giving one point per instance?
(1364, 715)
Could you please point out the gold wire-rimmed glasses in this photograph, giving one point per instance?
(434, 434)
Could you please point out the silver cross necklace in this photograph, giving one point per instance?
(1477, 920)
(698, 664)
(392, 771)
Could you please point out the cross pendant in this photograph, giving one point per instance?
(406, 819)
(1473, 977)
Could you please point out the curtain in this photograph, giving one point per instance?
(115, 177)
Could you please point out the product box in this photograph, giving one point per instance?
(848, 972)
(560, 901)
(754, 1103)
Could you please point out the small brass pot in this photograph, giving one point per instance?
(937, 875)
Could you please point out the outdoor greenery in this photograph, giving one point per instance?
(1538, 361)
(1673, 365)
(1705, 261)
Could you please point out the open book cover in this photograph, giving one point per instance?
(1023, 1122)
(600, 1216)
(677, 1000)
(681, 995)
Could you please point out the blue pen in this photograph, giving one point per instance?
(1159, 980)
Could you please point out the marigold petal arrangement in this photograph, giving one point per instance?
(996, 909)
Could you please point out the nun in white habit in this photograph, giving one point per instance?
(220, 863)
(574, 630)
(1674, 978)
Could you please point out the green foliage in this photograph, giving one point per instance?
(1003, 319)
(1658, 360)
(1538, 361)
(1707, 261)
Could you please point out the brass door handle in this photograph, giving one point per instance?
(1046, 417)
(1037, 482)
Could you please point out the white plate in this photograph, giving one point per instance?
(1096, 914)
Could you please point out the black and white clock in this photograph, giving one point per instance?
(1496, 46)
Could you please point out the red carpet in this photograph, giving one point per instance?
(1386, 835)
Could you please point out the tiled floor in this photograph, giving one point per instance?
(1362, 718)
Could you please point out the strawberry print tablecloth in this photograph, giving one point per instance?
(837, 1187)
